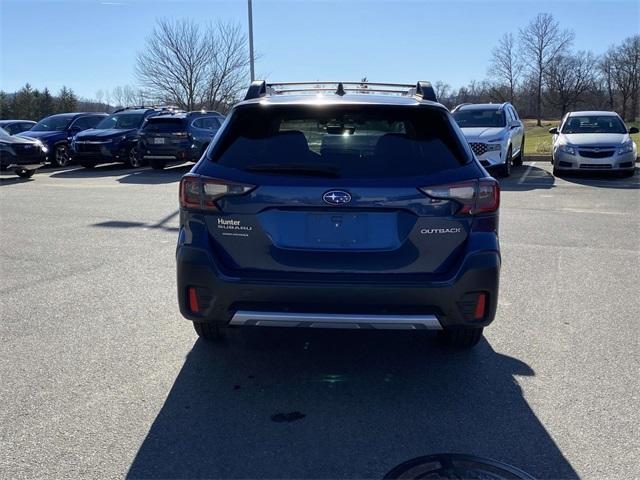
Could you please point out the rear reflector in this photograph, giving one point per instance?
(193, 300)
(481, 304)
(474, 196)
(202, 192)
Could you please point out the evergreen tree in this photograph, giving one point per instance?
(46, 104)
(5, 106)
(23, 104)
(67, 100)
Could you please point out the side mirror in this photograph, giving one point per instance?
(553, 131)
(634, 130)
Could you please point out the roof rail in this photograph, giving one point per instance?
(148, 107)
(261, 88)
(132, 107)
(460, 106)
(203, 111)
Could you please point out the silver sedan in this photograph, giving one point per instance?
(593, 140)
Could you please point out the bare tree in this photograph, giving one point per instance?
(117, 94)
(541, 42)
(226, 71)
(506, 64)
(442, 90)
(568, 78)
(605, 66)
(621, 78)
(194, 67)
(628, 64)
(175, 62)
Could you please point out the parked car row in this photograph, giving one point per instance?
(585, 140)
(158, 136)
(134, 136)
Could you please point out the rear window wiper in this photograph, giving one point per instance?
(294, 169)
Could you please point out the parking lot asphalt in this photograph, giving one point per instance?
(101, 377)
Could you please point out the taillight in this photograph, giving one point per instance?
(193, 300)
(474, 196)
(481, 305)
(203, 192)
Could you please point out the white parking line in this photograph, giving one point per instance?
(524, 177)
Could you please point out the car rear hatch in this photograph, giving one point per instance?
(344, 190)
(164, 136)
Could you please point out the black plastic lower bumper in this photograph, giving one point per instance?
(452, 301)
(22, 164)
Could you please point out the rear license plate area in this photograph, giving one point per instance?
(337, 230)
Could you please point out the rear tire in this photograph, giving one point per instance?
(25, 173)
(134, 160)
(157, 164)
(461, 338)
(557, 172)
(208, 331)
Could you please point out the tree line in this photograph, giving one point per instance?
(32, 104)
(536, 69)
(206, 67)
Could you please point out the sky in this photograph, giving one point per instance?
(91, 45)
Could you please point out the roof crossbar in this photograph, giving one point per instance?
(261, 88)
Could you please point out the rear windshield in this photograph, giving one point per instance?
(477, 117)
(594, 124)
(164, 125)
(344, 142)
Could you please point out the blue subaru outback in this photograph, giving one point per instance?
(339, 206)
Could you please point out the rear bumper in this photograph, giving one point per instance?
(169, 155)
(390, 304)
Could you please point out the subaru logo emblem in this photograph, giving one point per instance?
(336, 197)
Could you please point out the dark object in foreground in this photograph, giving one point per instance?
(22, 155)
(455, 466)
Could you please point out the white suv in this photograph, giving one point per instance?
(494, 132)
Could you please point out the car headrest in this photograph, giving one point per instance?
(574, 123)
(389, 143)
(288, 144)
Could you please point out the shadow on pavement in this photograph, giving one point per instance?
(341, 404)
(12, 180)
(143, 175)
(604, 180)
(527, 177)
(108, 170)
(161, 224)
(168, 175)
